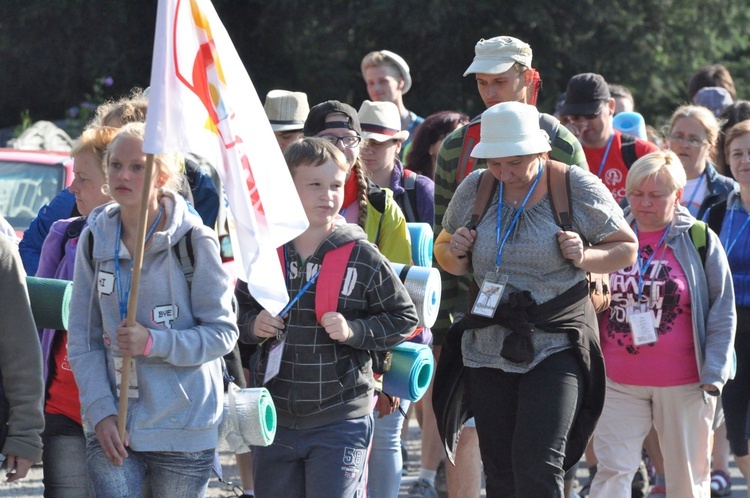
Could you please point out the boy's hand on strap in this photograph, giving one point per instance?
(336, 326)
(267, 325)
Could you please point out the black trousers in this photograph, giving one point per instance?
(523, 421)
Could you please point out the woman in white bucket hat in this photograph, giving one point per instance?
(532, 366)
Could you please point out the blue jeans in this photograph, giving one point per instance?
(385, 464)
(64, 459)
(167, 473)
(323, 462)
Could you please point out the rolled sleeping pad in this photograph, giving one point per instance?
(50, 302)
(411, 371)
(421, 243)
(631, 123)
(249, 419)
(423, 286)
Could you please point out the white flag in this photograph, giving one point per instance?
(202, 101)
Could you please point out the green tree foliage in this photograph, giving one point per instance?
(53, 49)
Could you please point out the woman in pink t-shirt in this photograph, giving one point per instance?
(667, 338)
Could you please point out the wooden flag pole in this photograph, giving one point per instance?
(127, 360)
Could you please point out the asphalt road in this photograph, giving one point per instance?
(32, 487)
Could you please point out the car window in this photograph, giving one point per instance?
(25, 188)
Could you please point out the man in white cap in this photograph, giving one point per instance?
(287, 112)
(388, 79)
(502, 68)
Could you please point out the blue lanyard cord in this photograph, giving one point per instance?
(301, 291)
(643, 266)
(727, 244)
(123, 296)
(606, 155)
(697, 188)
(515, 217)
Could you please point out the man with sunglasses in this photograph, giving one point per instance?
(589, 107)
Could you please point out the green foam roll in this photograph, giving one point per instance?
(421, 243)
(411, 371)
(50, 302)
(249, 419)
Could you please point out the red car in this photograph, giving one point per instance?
(29, 179)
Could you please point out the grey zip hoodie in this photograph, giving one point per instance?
(180, 398)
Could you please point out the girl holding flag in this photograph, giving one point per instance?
(175, 390)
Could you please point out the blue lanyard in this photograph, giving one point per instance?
(301, 291)
(643, 267)
(731, 225)
(697, 188)
(606, 155)
(123, 296)
(515, 218)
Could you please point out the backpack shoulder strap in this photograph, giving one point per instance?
(716, 216)
(410, 199)
(699, 236)
(184, 252)
(331, 279)
(471, 138)
(627, 149)
(558, 186)
(73, 230)
(485, 191)
(550, 125)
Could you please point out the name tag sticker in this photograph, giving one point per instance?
(105, 283)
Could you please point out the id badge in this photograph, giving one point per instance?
(642, 325)
(490, 294)
(132, 380)
(274, 360)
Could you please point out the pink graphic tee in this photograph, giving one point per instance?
(670, 361)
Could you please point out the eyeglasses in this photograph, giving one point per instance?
(691, 141)
(349, 141)
(580, 117)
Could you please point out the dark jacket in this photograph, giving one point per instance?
(718, 188)
(322, 381)
(570, 313)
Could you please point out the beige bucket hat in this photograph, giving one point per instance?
(286, 111)
(381, 121)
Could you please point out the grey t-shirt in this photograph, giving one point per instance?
(531, 258)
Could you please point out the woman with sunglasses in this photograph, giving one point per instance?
(693, 132)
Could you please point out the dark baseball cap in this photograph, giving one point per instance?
(585, 94)
(316, 120)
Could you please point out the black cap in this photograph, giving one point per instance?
(585, 94)
(316, 120)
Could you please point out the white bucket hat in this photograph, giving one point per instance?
(286, 111)
(381, 121)
(511, 129)
(498, 54)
